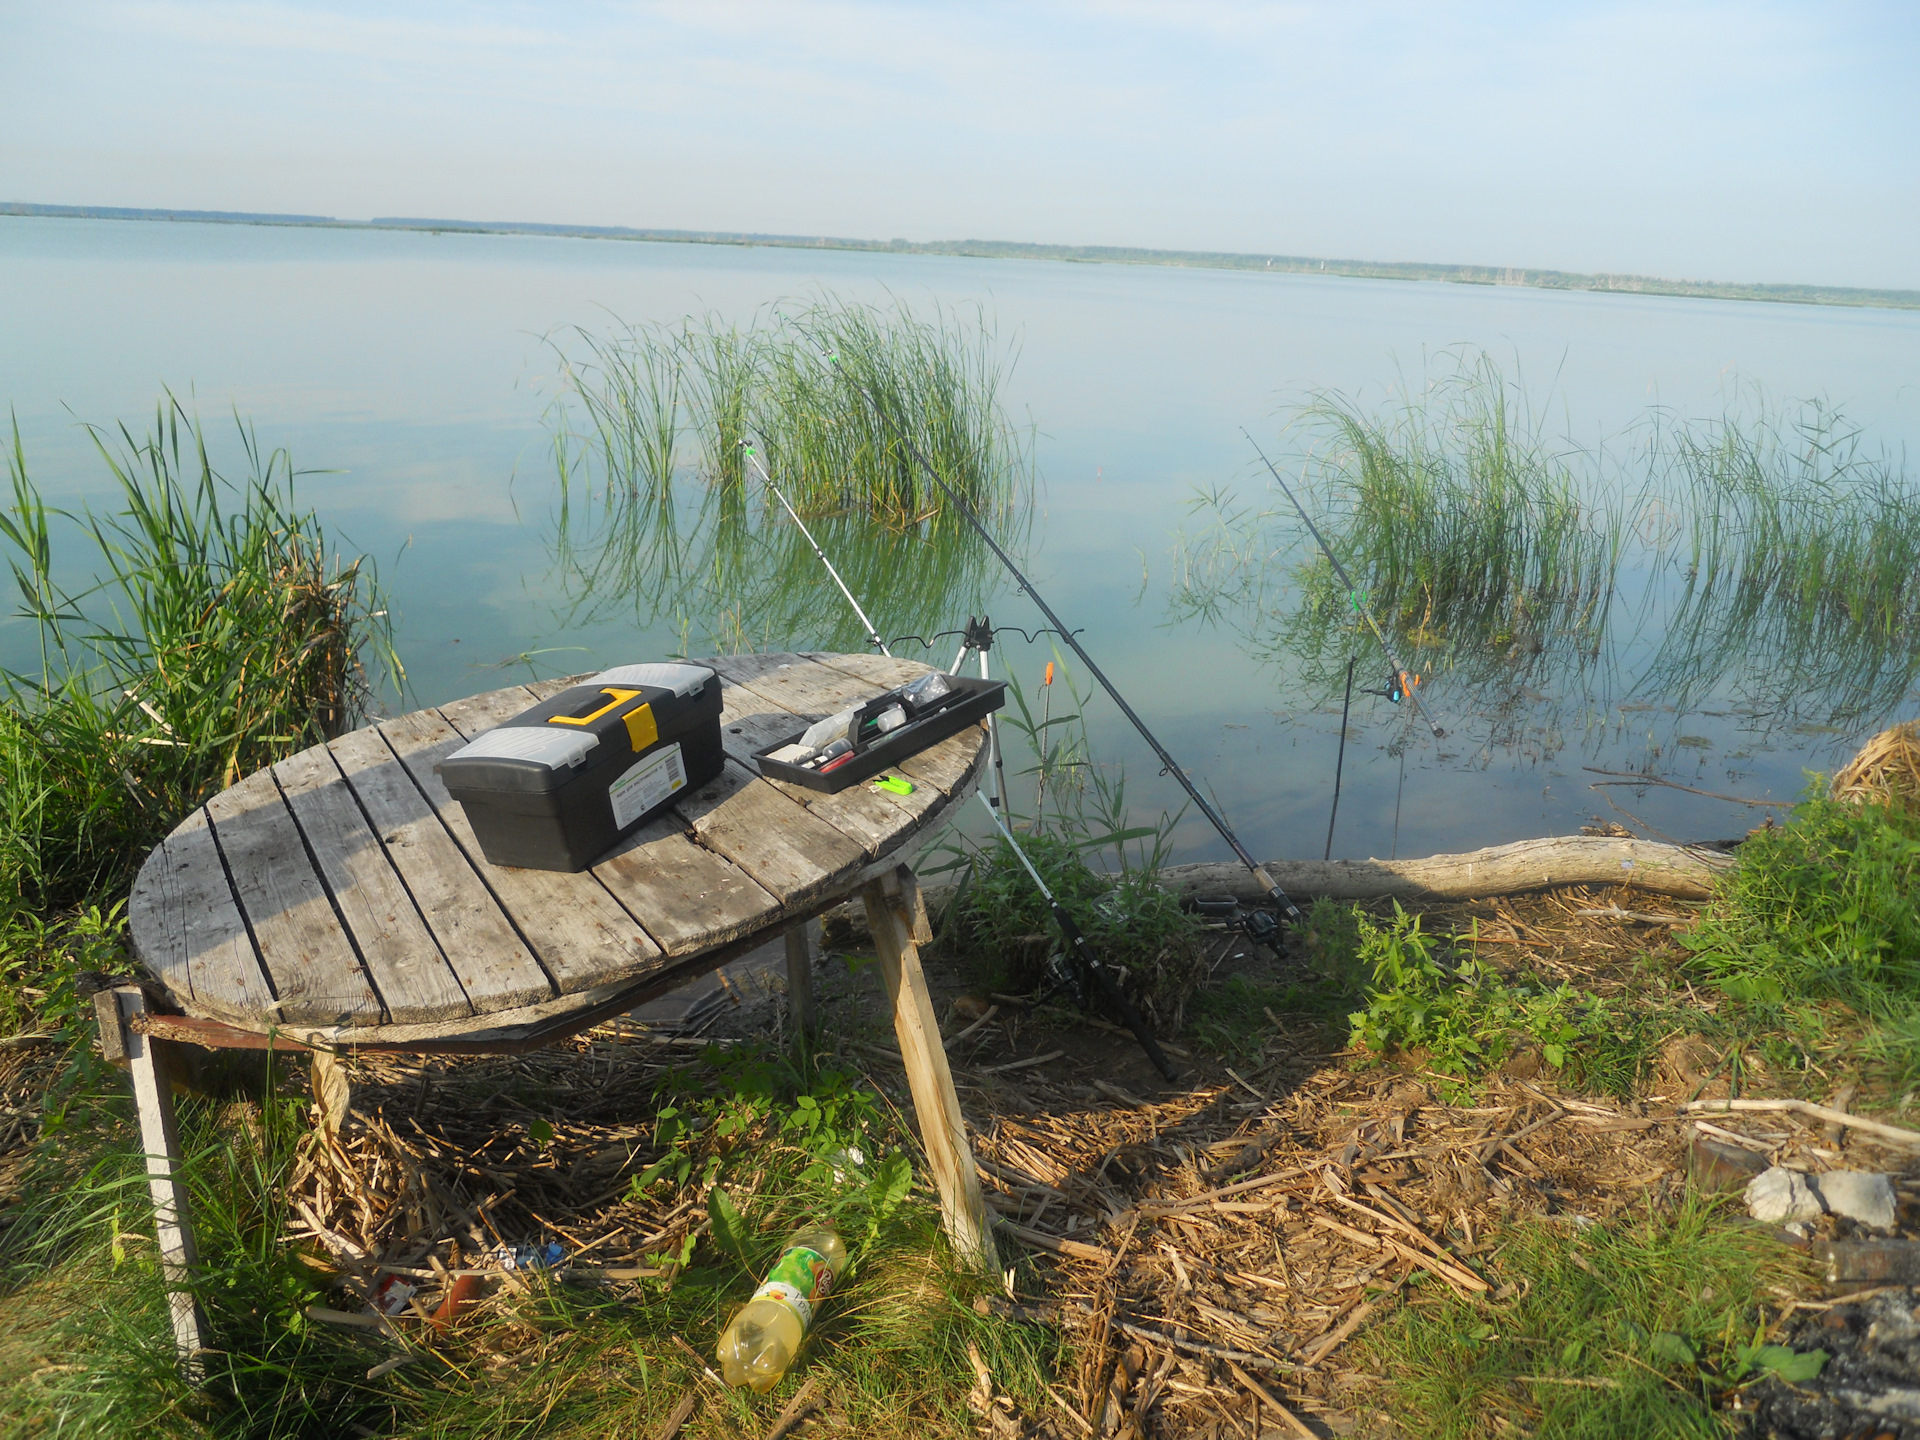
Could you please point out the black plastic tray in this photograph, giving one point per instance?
(977, 700)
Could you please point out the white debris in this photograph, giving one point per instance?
(1859, 1195)
(1780, 1196)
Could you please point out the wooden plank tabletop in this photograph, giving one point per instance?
(343, 892)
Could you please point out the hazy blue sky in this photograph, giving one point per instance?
(1749, 141)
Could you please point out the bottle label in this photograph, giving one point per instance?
(800, 1281)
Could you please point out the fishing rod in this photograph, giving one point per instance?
(1168, 766)
(980, 635)
(873, 635)
(1403, 679)
(1090, 964)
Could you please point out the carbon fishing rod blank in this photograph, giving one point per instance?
(1168, 765)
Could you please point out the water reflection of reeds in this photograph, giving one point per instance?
(1768, 561)
(659, 514)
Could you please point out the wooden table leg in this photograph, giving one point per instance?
(800, 978)
(898, 919)
(146, 1057)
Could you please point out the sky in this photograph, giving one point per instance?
(1747, 141)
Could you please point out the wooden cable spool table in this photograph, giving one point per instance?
(339, 902)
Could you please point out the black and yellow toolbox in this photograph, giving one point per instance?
(556, 786)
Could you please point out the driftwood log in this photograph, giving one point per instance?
(1685, 872)
(1682, 871)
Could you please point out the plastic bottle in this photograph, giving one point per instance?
(760, 1343)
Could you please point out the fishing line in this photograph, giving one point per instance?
(1403, 678)
(1168, 766)
(873, 635)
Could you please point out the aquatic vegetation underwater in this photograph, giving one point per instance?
(661, 508)
(1767, 560)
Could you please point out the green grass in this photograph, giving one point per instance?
(1815, 935)
(1465, 1018)
(1646, 1323)
(1393, 990)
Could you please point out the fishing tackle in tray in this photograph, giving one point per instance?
(862, 741)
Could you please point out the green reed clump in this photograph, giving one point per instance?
(841, 431)
(1481, 545)
(1799, 551)
(838, 396)
(645, 408)
(219, 632)
(1131, 920)
(1455, 507)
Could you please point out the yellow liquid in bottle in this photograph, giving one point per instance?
(759, 1344)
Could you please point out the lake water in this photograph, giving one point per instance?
(413, 367)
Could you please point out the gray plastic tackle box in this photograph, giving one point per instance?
(556, 786)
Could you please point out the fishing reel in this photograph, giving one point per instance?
(1259, 925)
(1063, 974)
(1400, 684)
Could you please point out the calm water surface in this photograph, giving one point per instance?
(413, 368)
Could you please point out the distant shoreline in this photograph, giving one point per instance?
(1016, 250)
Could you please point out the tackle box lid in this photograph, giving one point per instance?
(683, 680)
(537, 757)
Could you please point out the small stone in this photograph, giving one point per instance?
(1779, 1196)
(1861, 1196)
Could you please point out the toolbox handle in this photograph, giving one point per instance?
(620, 697)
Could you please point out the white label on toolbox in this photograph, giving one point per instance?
(647, 784)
